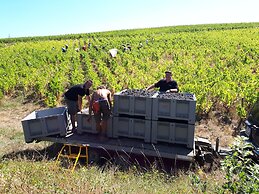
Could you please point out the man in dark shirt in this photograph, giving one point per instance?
(73, 98)
(166, 85)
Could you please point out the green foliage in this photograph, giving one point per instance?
(198, 184)
(218, 63)
(1, 95)
(241, 171)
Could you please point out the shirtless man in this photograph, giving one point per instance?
(100, 104)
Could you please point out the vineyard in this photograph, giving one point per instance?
(218, 63)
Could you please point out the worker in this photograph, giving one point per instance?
(100, 104)
(166, 85)
(73, 98)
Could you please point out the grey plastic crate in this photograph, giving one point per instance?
(174, 108)
(85, 126)
(135, 105)
(42, 123)
(132, 128)
(173, 133)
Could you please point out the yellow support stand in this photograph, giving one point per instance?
(71, 155)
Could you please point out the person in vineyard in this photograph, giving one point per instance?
(166, 85)
(73, 98)
(100, 104)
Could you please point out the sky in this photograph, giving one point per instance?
(24, 18)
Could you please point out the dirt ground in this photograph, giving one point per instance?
(12, 111)
(212, 128)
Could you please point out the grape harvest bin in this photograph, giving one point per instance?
(85, 126)
(42, 123)
(132, 128)
(169, 132)
(174, 106)
(134, 103)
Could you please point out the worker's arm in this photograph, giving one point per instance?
(175, 89)
(150, 87)
(109, 99)
(172, 90)
(79, 102)
(87, 97)
(91, 100)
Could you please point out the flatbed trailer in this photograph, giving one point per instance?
(158, 126)
(126, 145)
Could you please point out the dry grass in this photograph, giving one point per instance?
(23, 176)
(12, 111)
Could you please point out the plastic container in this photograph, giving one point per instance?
(174, 106)
(132, 128)
(169, 132)
(42, 123)
(133, 103)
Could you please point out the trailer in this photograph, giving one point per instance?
(152, 126)
(126, 145)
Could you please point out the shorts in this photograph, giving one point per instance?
(104, 113)
(72, 106)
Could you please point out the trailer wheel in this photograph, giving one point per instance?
(200, 160)
(209, 158)
(93, 156)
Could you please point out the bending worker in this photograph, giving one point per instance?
(73, 98)
(100, 104)
(166, 85)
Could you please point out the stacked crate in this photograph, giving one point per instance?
(155, 117)
(132, 114)
(173, 118)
